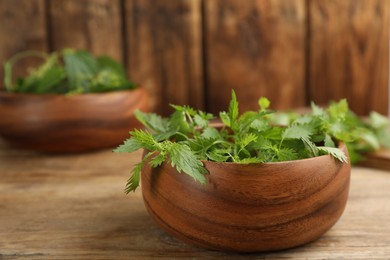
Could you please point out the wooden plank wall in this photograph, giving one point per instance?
(349, 52)
(257, 48)
(195, 51)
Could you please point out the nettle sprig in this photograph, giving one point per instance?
(188, 137)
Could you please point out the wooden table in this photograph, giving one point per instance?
(73, 207)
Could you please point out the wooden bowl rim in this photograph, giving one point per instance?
(17, 95)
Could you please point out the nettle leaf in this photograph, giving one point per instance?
(281, 118)
(199, 145)
(274, 133)
(105, 62)
(378, 121)
(211, 133)
(368, 137)
(263, 143)
(179, 120)
(304, 119)
(310, 146)
(316, 110)
(259, 125)
(229, 119)
(130, 145)
(233, 107)
(335, 152)
(287, 154)
(328, 141)
(218, 155)
(248, 118)
(264, 103)
(80, 66)
(383, 136)
(145, 139)
(338, 111)
(225, 119)
(200, 121)
(157, 160)
(185, 109)
(152, 121)
(133, 182)
(298, 132)
(247, 139)
(184, 160)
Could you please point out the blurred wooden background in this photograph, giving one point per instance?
(194, 51)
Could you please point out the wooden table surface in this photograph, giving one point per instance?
(74, 207)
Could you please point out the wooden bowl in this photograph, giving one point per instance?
(252, 207)
(73, 123)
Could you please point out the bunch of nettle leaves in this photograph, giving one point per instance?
(187, 137)
(67, 72)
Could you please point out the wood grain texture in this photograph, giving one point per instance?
(22, 27)
(165, 50)
(349, 53)
(249, 208)
(257, 48)
(60, 123)
(73, 207)
(94, 25)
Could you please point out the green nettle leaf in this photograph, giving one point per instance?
(274, 133)
(287, 154)
(233, 110)
(305, 120)
(184, 160)
(80, 67)
(133, 182)
(369, 138)
(281, 119)
(328, 141)
(335, 152)
(247, 139)
(316, 110)
(211, 133)
(217, 155)
(339, 110)
(145, 139)
(298, 132)
(157, 160)
(186, 109)
(264, 103)
(105, 62)
(152, 121)
(378, 121)
(259, 125)
(179, 120)
(130, 145)
(225, 119)
(200, 121)
(310, 147)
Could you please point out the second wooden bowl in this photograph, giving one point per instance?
(76, 123)
(249, 208)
